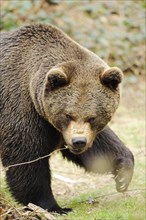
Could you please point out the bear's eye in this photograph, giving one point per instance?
(69, 117)
(91, 120)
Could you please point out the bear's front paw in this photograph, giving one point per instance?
(123, 173)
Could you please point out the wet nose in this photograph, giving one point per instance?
(79, 142)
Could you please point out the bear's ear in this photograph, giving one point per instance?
(111, 77)
(56, 78)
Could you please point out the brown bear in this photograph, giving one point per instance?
(55, 92)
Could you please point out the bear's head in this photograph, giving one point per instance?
(79, 100)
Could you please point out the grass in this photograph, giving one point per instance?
(110, 205)
(126, 207)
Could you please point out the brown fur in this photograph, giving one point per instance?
(53, 91)
(82, 96)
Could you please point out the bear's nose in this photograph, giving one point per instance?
(79, 142)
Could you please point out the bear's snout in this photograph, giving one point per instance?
(78, 136)
(79, 142)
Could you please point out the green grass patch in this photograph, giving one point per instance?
(128, 206)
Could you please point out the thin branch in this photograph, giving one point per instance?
(111, 194)
(5, 214)
(11, 206)
(39, 210)
(33, 161)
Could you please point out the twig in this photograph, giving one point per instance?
(12, 207)
(111, 194)
(40, 210)
(64, 179)
(33, 161)
(5, 214)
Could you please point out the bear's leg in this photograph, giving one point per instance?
(32, 183)
(107, 155)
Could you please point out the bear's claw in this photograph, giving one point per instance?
(123, 173)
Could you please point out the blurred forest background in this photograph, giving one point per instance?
(115, 30)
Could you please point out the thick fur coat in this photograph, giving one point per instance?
(54, 92)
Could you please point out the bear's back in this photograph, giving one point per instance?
(22, 54)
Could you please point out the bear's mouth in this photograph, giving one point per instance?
(76, 150)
